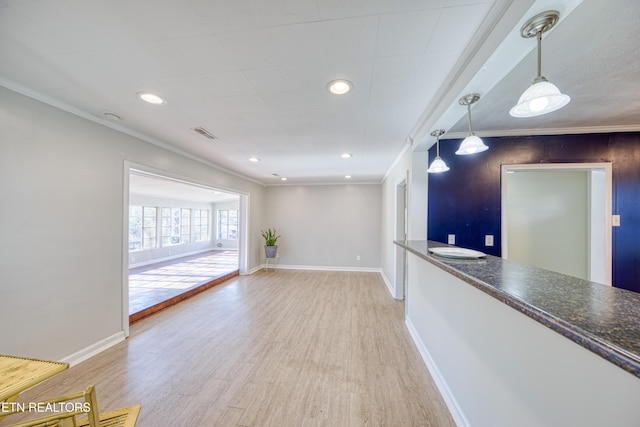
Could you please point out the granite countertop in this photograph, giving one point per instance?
(601, 318)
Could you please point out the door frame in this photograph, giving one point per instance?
(400, 233)
(243, 225)
(605, 167)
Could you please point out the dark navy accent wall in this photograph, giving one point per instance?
(465, 201)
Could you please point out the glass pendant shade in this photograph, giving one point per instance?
(471, 145)
(540, 98)
(438, 165)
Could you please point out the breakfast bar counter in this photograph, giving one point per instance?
(511, 344)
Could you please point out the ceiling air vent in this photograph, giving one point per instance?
(205, 133)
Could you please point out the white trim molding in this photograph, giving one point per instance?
(93, 349)
(448, 397)
(388, 283)
(320, 268)
(605, 167)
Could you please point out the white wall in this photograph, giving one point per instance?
(497, 367)
(548, 220)
(63, 200)
(419, 192)
(326, 225)
(389, 251)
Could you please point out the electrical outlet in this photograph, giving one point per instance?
(357, 257)
(615, 220)
(488, 240)
(451, 239)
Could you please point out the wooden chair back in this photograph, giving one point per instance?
(81, 410)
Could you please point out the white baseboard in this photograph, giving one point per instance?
(388, 283)
(324, 268)
(93, 349)
(254, 270)
(445, 391)
(178, 255)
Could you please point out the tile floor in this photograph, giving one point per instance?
(154, 283)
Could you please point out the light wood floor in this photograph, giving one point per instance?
(283, 348)
(153, 284)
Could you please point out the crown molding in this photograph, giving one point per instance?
(408, 145)
(38, 96)
(546, 131)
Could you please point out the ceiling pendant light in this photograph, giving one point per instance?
(471, 144)
(438, 165)
(542, 96)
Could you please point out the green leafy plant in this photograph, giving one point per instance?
(270, 237)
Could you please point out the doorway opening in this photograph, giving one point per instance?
(558, 217)
(182, 238)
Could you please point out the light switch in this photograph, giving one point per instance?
(451, 239)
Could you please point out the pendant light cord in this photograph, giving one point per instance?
(469, 118)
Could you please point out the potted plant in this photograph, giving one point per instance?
(270, 240)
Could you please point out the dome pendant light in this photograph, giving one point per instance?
(438, 165)
(542, 96)
(471, 144)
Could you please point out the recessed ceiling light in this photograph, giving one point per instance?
(346, 155)
(339, 86)
(254, 159)
(151, 98)
(347, 176)
(283, 179)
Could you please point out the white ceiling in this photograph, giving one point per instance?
(593, 56)
(253, 73)
(146, 184)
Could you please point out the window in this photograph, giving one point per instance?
(200, 225)
(135, 228)
(149, 232)
(142, 227)
(166, 226)
(227, 224)
(185, 226)
(175, 226)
